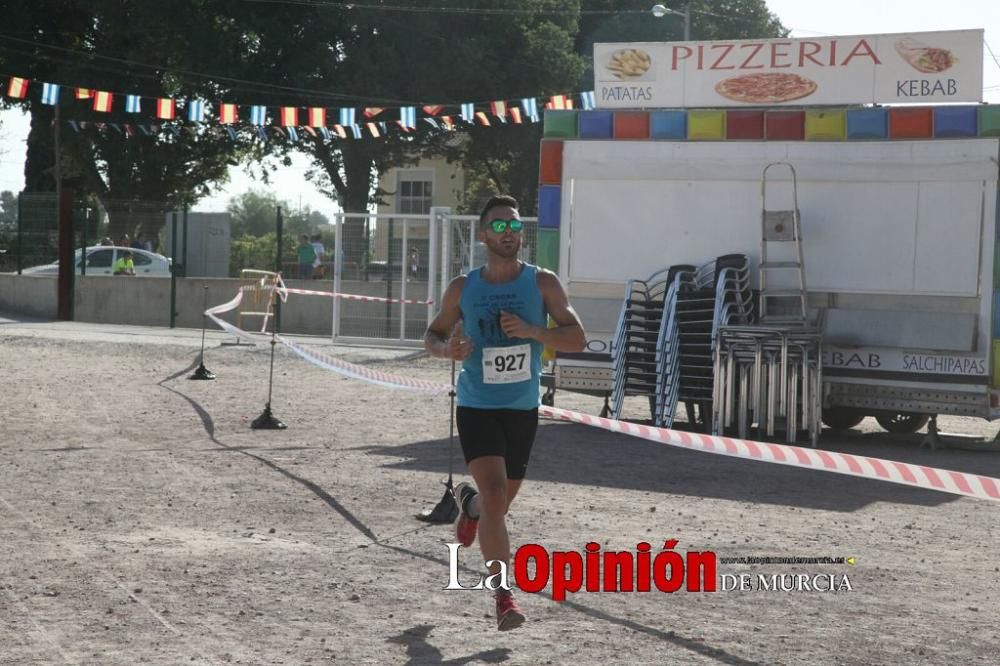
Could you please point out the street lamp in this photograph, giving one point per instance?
(659, 11)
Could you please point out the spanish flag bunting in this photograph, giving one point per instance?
(559, 102)
(448, 122)
(483, 120)
(311, 131)
(433, 109)
(372, 111)
(289, 116)
(83, 93)
(165, 108)
(340, 131)
(17, 88)
(498, 109)
(372, 127)
(403, 126)
(317, 116)
(227, 113)
(515, 115)
(102, 101)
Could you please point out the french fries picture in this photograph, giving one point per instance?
(629, 63)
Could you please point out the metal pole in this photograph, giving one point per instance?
(173, 269)
(20, 222)
(203, 373)
(184, 250)
(404, 253)
(83, 242)
(279, 225)
(338, 265)
(388, 280)
(687, 23)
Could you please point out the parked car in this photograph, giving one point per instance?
(101, 261)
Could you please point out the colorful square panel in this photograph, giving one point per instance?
(867, 123)
(826, 125)
(785, 125)
(668, 124)
(596, 124)
(550, 162)
(559, 124)
(744, 124)
(549, 202)
(631, 125)
(910, 123)
(706, 125)
(989, 120)
(955, 120)
(547, 250)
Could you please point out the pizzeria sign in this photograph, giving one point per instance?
(859, 69)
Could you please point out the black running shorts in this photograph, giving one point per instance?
(508, 433)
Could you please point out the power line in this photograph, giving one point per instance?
(994, 55)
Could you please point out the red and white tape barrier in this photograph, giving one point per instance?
(351, 297)
(365, 374)
(907, 474)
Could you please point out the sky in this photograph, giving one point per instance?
(806, 18)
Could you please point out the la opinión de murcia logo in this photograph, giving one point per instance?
(595, 571)
(643, 570)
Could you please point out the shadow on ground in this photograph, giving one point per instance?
(569, 453)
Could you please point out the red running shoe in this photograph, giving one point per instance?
(509, 614)
(465, 527)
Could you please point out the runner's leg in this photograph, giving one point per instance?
(490, 474)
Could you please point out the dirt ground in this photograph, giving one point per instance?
(143, 521)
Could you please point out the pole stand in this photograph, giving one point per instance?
(202, 373)
(446, 511)
(267, 421)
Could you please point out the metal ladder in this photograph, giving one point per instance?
(781, 226)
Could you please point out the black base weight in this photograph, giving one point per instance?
(202, 373)
(267, 421)
(446, 511)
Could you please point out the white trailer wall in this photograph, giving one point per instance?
(884, 224)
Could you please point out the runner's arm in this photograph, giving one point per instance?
(444, 337)
(567, 335)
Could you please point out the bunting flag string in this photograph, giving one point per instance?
(376, 120)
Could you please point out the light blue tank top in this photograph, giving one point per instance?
(481, 304)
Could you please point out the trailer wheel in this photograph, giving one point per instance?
(842, 418)
(903, 423)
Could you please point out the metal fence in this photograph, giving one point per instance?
(32, 237)
(403, 260)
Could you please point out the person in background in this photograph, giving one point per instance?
(306, 255)
(317, 244)
(107, 242)
(125, 264)
(413, 264)
(137, 242)
(124, 241)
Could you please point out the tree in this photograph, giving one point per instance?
(254, 213)
(120, 47)
(8, 210)
(506, 159)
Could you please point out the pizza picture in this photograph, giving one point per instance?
(769, 88)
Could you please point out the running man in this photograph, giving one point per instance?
(503, 305)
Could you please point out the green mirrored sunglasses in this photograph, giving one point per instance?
(500, 226)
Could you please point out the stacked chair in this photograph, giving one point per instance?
(771, 374)
(663, 346)
(633, 349)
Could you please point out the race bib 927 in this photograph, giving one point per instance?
(507, 365)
